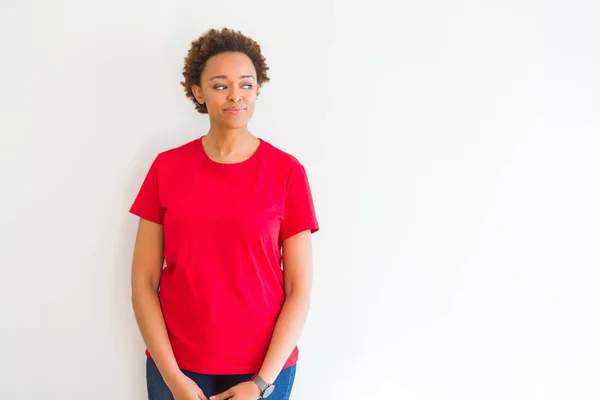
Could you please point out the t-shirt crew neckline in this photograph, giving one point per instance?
(227, 166)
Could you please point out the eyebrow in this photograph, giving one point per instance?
(225, 77)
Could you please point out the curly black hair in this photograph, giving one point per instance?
(214, 42)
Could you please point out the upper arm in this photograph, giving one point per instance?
(299, 222)
(298, 210)
(148, 255)
(297, 263)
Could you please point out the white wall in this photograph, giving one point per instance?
(452, 148)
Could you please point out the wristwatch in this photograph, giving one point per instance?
(265, 388)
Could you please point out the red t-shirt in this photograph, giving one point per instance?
(221, 290)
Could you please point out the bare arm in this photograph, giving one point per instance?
(145, 276)
(297, 276)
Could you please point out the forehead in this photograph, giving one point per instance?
(233, 65)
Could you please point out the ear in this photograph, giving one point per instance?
(258, 90)
(198, 94)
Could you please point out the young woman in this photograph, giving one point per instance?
(230, 217)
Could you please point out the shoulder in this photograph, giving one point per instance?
(176, 155)
(282, 159)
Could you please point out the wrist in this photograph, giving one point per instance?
(173, 377)
(257, 389)
(265, 389)
(266, 376)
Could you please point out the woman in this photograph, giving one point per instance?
(231, 216)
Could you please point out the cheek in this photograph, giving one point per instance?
(216, 97)
(214, 102)
(251, 100)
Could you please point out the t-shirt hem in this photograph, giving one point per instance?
(143, 215)
(244, 369)
(313, 227)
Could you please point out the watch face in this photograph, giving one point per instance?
(268, 391)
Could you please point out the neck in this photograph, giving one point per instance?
(230, 145)
(228, 141)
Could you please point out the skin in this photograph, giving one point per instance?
(229, 79)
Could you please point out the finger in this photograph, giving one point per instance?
(222, 396)
(201, 396)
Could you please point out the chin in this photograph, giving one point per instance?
(233, 121)
(234, 125)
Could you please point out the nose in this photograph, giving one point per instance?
(234, 95)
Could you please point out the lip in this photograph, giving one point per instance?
(235, 110)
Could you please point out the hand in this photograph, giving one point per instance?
(244, 391)
(184, 388)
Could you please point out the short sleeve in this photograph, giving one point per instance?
(147, 203)
(299, 211)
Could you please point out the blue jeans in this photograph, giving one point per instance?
(215, 384)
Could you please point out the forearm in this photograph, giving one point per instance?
(151, 322)
(286, 334)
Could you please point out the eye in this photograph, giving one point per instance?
(219, 87)
(248, 85)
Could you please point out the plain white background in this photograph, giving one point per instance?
(453, 150)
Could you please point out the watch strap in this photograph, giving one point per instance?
(261, 383)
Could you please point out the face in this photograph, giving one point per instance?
(229, 88)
